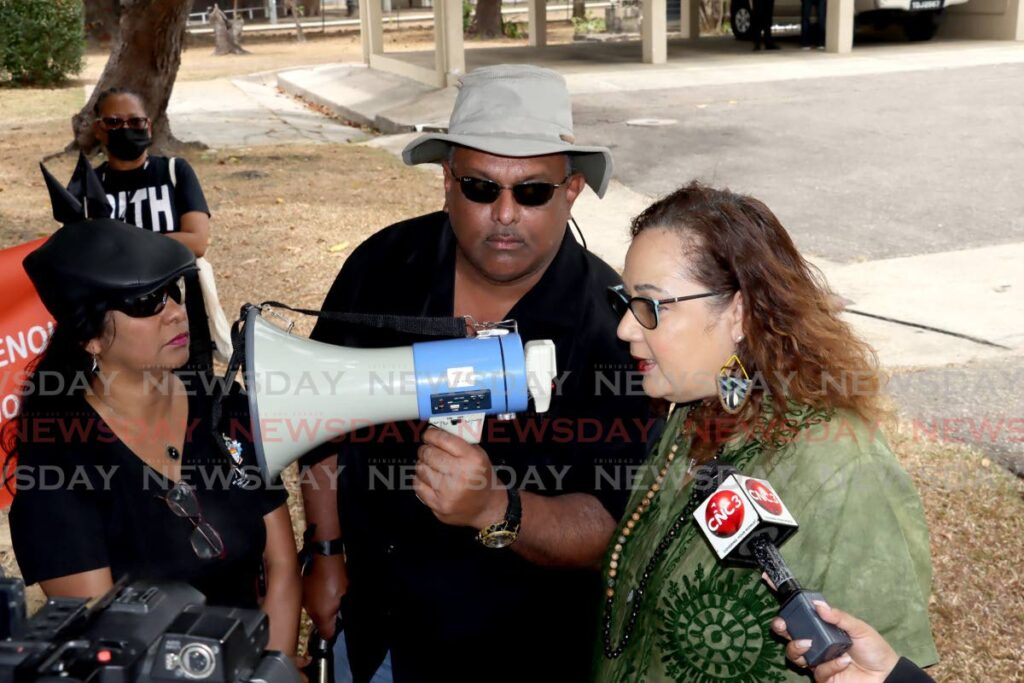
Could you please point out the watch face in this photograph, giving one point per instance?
(499, 539)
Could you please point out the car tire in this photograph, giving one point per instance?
(919, 26)
(741, 20)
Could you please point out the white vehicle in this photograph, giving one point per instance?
(920, 18)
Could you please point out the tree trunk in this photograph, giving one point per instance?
(227, 35)
(144, 57)
(712, 16)
(487, 19)
(311, 8)
(300, 37)
(101, 20)
(579, 9)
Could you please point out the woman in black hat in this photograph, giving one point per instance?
(119, 468)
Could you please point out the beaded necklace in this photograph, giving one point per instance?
(612, 651)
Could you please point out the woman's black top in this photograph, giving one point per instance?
(85, 501)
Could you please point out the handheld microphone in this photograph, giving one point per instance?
(745, 521)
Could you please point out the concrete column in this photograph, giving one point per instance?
(694, 18)
(839, 26)
(654, 31)
(374, 22)
(364, 30)
(272, 10)
(538, 22)
(449, 52)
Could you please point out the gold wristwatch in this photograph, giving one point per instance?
(505, 532)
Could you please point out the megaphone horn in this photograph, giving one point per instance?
(303, 393)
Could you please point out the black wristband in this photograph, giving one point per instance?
(334, 546)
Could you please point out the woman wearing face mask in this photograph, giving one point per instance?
(155, 193)
(731, 324)
(119, 468)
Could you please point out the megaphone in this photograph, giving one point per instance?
(303, 393)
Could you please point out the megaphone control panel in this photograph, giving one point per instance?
(460, 381)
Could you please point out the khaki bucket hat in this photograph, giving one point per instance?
(514, 110)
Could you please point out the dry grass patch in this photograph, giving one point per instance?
(975, 512)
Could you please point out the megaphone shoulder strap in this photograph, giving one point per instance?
(410, 324)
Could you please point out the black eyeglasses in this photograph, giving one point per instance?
(153, 303)
(526, 194)
(206, 542)
(116, 122)
(645, 309)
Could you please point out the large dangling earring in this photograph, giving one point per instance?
(95, 363)
(734, 385)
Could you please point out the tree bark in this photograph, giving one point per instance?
(101, 20)
(144, 57)
(487, 19)
(311, 7)
(227, 35)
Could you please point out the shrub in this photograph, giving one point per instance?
(583, 26)
(41, 41)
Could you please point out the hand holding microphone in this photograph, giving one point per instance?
(745, 522)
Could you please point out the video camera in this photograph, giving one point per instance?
(144, 632)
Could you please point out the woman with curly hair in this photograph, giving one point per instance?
(733, 326)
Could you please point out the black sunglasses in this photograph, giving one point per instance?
(526, 194)
(116, 122)
(153, 303)
(646, 310)
(206, 542)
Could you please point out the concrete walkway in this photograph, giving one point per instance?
(249, 111)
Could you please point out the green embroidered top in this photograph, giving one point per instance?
(862, 542)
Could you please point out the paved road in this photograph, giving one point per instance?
(863, 167)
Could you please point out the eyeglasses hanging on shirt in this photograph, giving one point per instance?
(206, 542)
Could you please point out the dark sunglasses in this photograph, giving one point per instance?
(646, 310)
(155, 302)
(206, 542)
(116, 122)
(526, 194)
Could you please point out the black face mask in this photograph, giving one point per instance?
(128, 144)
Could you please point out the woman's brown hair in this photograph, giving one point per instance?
(796, 347)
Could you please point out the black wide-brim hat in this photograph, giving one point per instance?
(103, 261)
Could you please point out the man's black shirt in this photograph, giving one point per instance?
(447, 607)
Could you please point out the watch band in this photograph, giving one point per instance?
(514, 513)
(505, 532)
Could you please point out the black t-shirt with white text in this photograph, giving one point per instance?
(154, 198)
(148, 197)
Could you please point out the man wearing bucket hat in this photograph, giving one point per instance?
(443, 579)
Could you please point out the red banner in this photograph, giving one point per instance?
(25, 327)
